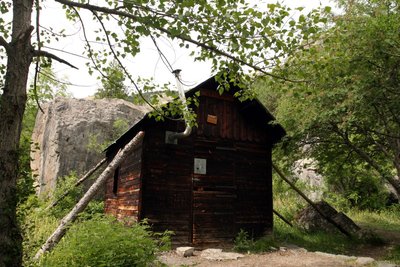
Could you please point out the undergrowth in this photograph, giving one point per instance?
(245, 244)
(289, 204)
(387, 219)
(394, 255)
(285, 235)
(104, 241)
(92, 240)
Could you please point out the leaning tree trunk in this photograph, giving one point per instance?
(386, 176)
(12, 106)
(84, 201)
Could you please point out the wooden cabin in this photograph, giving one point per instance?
(210, 184)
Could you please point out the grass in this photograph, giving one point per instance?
(388, 219)
(285, 235)
(386, 222)
(394, 255)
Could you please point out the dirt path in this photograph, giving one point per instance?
(289, 258)
(297, 257)
(390, 238)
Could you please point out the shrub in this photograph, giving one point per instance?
(104, 241)
(65, 184)
(36, 226)
(243, 243)
(394, 255)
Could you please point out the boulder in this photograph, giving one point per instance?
(310, 219)
(306, 171)
(185, 251)
(62, 133)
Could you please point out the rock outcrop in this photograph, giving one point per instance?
(62, 133)
(305, 170)
(310, 219)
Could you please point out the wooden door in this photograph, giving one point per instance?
(214, 195)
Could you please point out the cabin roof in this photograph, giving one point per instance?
(254, 106)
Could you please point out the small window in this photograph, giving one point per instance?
(115, 184)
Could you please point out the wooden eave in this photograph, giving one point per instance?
(252, 107)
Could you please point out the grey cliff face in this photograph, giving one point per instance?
(62, 134)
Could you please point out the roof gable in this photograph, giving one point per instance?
(253, 109)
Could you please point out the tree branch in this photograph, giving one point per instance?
(370, 160)
(4, 43)
(126, 71)
(120, 63)
(210, 48)
(87, 42)
(37, 66)
(41, 53)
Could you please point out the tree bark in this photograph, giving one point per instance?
(84, 201)
(12, 106)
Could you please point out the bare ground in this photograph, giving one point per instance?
(295, 257)
(287, 258)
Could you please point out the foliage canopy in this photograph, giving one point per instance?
(346, 116)
(232, 34)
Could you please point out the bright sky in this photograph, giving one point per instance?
(146, 64)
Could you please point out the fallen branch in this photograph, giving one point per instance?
(84, 201)
(80, 181)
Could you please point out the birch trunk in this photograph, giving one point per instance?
(83, 202)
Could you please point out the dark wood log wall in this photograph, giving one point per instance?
(232, 124)
(167, 179)
(158, 182)
(254, 189)
(123, 199)
(236, 191)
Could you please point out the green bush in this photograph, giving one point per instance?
(243, 243)
(38, 223)
(36, 226)
(104, 241)
(65, 184)
(394, 255)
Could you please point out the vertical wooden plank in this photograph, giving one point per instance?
(236, 124)
(201, 115)
(229, 120)
(250, 131)
(243, 128)
(167, 184)
(222, 118)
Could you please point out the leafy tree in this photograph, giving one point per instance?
(233, 35)
(346, 113)
(113, 83)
